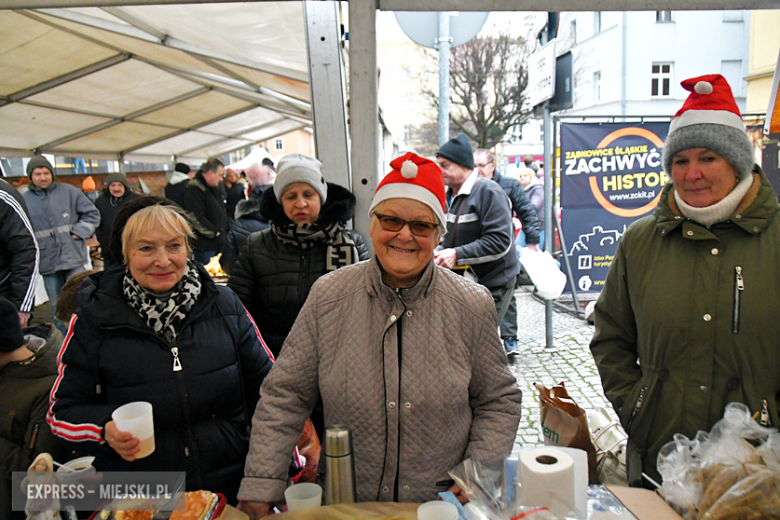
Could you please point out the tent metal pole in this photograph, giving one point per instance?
(326, 81)
(364, 109)
(65, 78)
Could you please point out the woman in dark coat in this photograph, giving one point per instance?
(307, 239)
(157, 329)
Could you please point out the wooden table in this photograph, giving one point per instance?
(362, 511)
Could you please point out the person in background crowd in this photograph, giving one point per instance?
(307, 239)
(480, 233)
(204, 203)
(248, 220)
(63, 219)
(174, 190)
(18, 252)
(522, 207)
(68, 303)
(28, 368)
(529, 163)
(260, 177)
(116, 194)
(268, 162)
(88, 187)
(21, 185)
(534, 190)
(234, 191)
(687, 321)
(158, 329)
(387, 343)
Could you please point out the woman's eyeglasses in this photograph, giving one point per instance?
(395, 224)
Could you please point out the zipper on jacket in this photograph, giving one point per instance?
(639, 400)
(176, 362)
(739, 286)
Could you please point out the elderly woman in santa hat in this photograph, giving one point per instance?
(406, 354)
(687, 322)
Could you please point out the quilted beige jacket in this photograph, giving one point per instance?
(452, 397)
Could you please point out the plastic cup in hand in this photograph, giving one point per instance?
(437, 510)
(303, 496)
(136, 418)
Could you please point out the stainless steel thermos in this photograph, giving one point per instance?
(339, 466)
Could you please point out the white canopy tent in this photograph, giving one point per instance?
(158, 80)
(151, 83)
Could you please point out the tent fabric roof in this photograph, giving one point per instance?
(149, 83)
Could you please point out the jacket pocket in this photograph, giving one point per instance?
(640, 421)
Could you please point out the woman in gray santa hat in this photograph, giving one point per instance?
(686, 322)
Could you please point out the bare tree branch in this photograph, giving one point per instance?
(487, 87)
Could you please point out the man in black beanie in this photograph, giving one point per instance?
(28, 368)
(480, 234)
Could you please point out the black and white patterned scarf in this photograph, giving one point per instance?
(164, 316)
(341, 248)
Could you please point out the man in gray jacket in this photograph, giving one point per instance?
(63, 219)
(480, 234)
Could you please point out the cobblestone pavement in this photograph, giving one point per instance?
(571, 362)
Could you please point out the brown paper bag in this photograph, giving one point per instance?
(565, 424)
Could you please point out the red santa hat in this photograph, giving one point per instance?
(710, 118)
(710, 101)
(416, 178)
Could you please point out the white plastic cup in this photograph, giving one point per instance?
(437, 510)
(303, 496)
(136, 418)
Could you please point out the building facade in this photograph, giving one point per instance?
(632, 63)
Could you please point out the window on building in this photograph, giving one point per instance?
(425, 72)
(597, 22)
(597, 86)
(279, 143)
(732, 71)
(573, 31)
(663, 16)
(407, 99)
(405, 72)
(407, 133)
(661, 82)
(732, 16)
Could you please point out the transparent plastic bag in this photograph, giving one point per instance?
(754, 497)
(678, 463)
(699, 473)
(492, 497)
(732, 439)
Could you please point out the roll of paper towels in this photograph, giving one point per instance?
(547, 478)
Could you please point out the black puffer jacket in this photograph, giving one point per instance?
(200, 417)
(273, 279)
(109, 206)
(248, 220)
(207, 205)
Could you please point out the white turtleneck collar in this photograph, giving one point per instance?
(721, 210)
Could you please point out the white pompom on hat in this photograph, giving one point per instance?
(710, 118)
